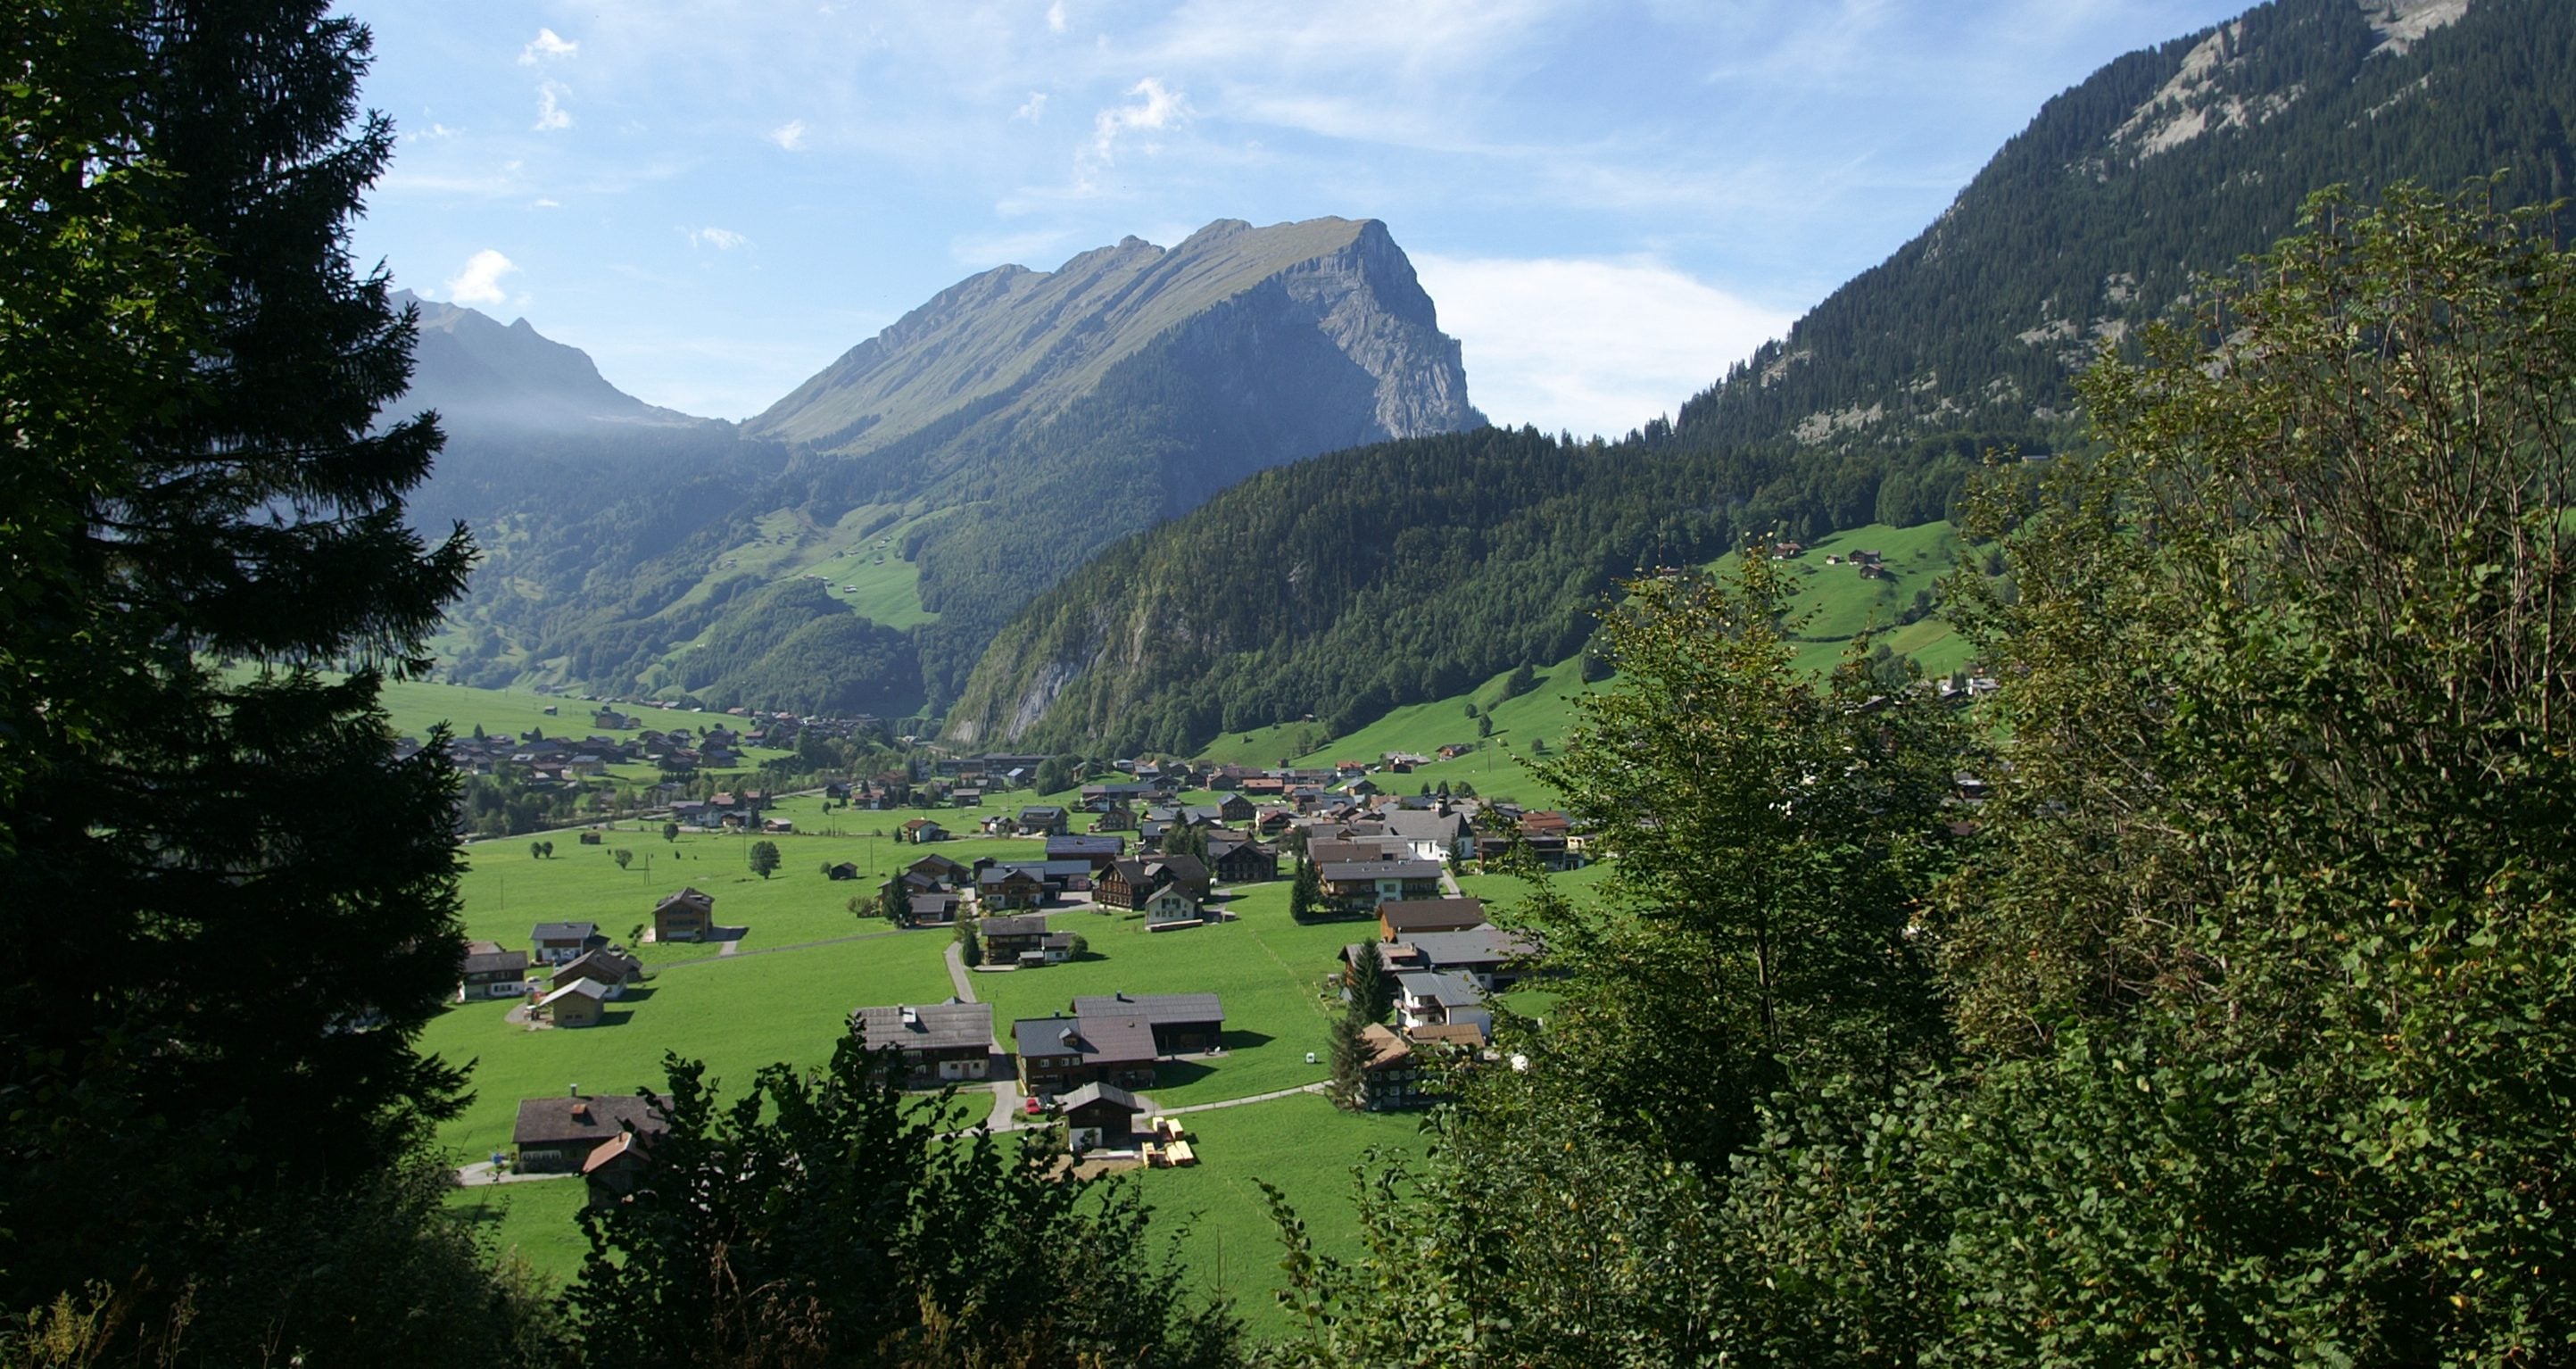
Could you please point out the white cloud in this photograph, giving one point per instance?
(547, 44)
(480, 281)
(789, 135)
(721, 239)
(1055, 17)
(1589, 345)
(1031, 107)
(435, 130)
(542, 202)
(1154, 107)
(551, 114)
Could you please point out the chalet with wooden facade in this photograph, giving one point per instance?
(941, 1042)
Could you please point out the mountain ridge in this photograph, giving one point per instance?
(1875, 408)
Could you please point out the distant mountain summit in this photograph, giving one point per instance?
(1332, 301)
(480, 373)
(880, 523)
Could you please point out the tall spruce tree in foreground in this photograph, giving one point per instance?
(225, 909)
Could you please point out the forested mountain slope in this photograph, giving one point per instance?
(1345, 586)
(883, 520)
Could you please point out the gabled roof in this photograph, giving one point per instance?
(564, 931)
(1477, 946)
(587, 1117)
(1447, 990)
(933, 1026)
(1432, 914)
(1120, 1039)
(580, 988)
(1380, 869)
(1161, 1009)
(495, 962)
(1023, 924)
(1111, 1094)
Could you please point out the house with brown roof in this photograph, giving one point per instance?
(1390, 1076)
(1406, 916)
(685, 916)
(557, 1135)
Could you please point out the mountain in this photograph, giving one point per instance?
(901, 505)
(481, 374)
(1390, 575)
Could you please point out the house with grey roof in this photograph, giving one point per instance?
(1493, 957)
(940, 1042)
(1180, 1022)
(1364, 885)
(1059, 1054)
(1426, 999)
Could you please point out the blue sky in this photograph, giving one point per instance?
(1609, 202)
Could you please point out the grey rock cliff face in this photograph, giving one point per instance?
(1024, 344)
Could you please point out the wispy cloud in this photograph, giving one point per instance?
(1055, 17)
(551, 115)
(1592, 346)
(721, 239)
(434, 131)
(789, 135)
(546, 46)
(480, 281)
(1151, 107)
(1031, 108)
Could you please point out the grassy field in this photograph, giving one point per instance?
(1833, 604)
(1302, 1146)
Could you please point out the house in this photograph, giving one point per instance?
(919, 831)
(1242, 862)
(1099, 851)
(966, 798)
(577, 1004)
(1181, 1023)
(1060, 1054)
(1041, 820)
(555, 943)
(933, 909)
(1097, 1115)
(557, 1135)
(1125, 884)
(1118, 819)
(1428, 999)
(1438, 833)
(940, 870)
(844, 870)
(940, 1042)
(491, 972)
(611, 968)
(1006, 887)
(1390, 1077)
(614, 1169)
(1055, 948)
(1170, 906)
(1189, 872)
(1490, 957)
(685, 916)
(1006, 937)
(1364, 884)
(1403, 918)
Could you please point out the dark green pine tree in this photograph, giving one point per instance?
(1349, 1061)
(1372, 988)
(1306, 894)
(226, 910)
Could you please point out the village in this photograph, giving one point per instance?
(1129, 961)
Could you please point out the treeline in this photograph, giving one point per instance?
(1360, 581)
